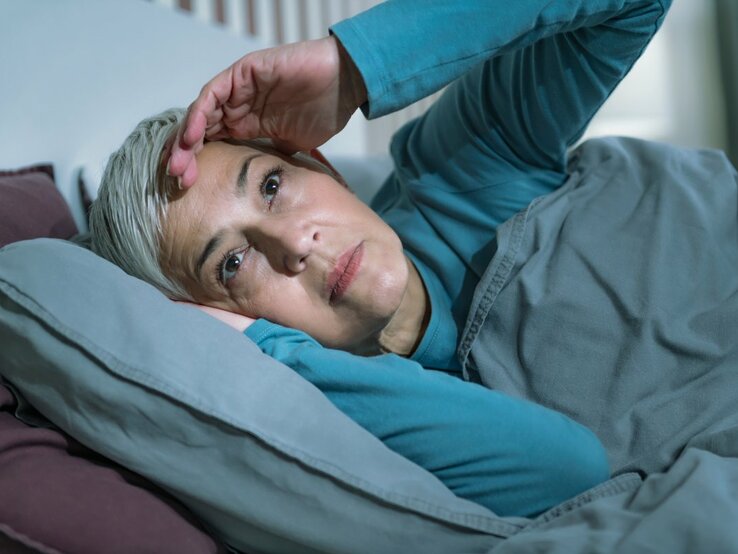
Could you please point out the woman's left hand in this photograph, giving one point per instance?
(237, 321)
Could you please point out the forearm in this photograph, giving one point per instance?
(352, 83)
(406, 50)
(514, 457)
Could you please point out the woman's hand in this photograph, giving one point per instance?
(299, 95)
(237, 321)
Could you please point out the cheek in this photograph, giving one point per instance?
(272, 296)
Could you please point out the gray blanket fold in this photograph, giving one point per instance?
(615, 300)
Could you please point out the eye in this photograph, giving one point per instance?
(230, 265)
(271, 184)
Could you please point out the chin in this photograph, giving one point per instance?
(365, 316)
(384, 300)
(359, 330)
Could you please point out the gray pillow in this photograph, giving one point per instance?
(259, 454)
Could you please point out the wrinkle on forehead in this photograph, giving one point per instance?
(179, 227)
(188, 226)
(299, 159)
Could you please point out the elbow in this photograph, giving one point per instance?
(547, 466)
(575, 467)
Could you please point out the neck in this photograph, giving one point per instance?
(403, 333)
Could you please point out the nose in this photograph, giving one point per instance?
(288, 242)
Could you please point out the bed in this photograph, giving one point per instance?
(171, 433)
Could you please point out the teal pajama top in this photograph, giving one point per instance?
(524, 79)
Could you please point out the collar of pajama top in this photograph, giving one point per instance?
(437, 348)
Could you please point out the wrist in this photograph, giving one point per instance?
(352, 83)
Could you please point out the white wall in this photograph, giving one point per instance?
(77, 75)
(673, 92)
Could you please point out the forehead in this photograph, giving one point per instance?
(218, 166)
(192, 215)
(217, 159)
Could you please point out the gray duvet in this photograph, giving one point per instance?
(615, 300)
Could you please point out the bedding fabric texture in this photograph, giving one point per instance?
(195, 399)
(256, 452)
(615, 301)
(287, 472)
(560, 316)
(67, 498)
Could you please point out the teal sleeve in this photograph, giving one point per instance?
(514, 457)
(546, 66)
(524, 79)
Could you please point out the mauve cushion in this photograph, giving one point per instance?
(55, 494)
(31, 206)
(10, 546)
(59, 496)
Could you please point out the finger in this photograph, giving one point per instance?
(236, 112)
(180, 152)
(241, 121)
(193, 128)
(248, 127)
(178, 161)
(220, 135)
(189, 176)
(214, 130)
(207, 107)
(243, 77)
(202, 124)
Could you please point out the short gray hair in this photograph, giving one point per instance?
(126, 218)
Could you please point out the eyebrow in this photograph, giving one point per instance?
(214, 242)
(242, 180)
(210, 247)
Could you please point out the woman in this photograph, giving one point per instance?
(254, 233)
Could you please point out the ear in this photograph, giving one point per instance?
(320, 158)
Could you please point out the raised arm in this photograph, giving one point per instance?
(538, 70)
(512, 456)
(524, 78)
(299, 95)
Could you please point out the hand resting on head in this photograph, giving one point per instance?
(299, 95)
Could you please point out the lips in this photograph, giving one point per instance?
(344, 273)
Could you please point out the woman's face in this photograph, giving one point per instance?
(266, 235)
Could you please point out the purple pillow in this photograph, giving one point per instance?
(55, 494)
(31, 206)
(59, 496)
